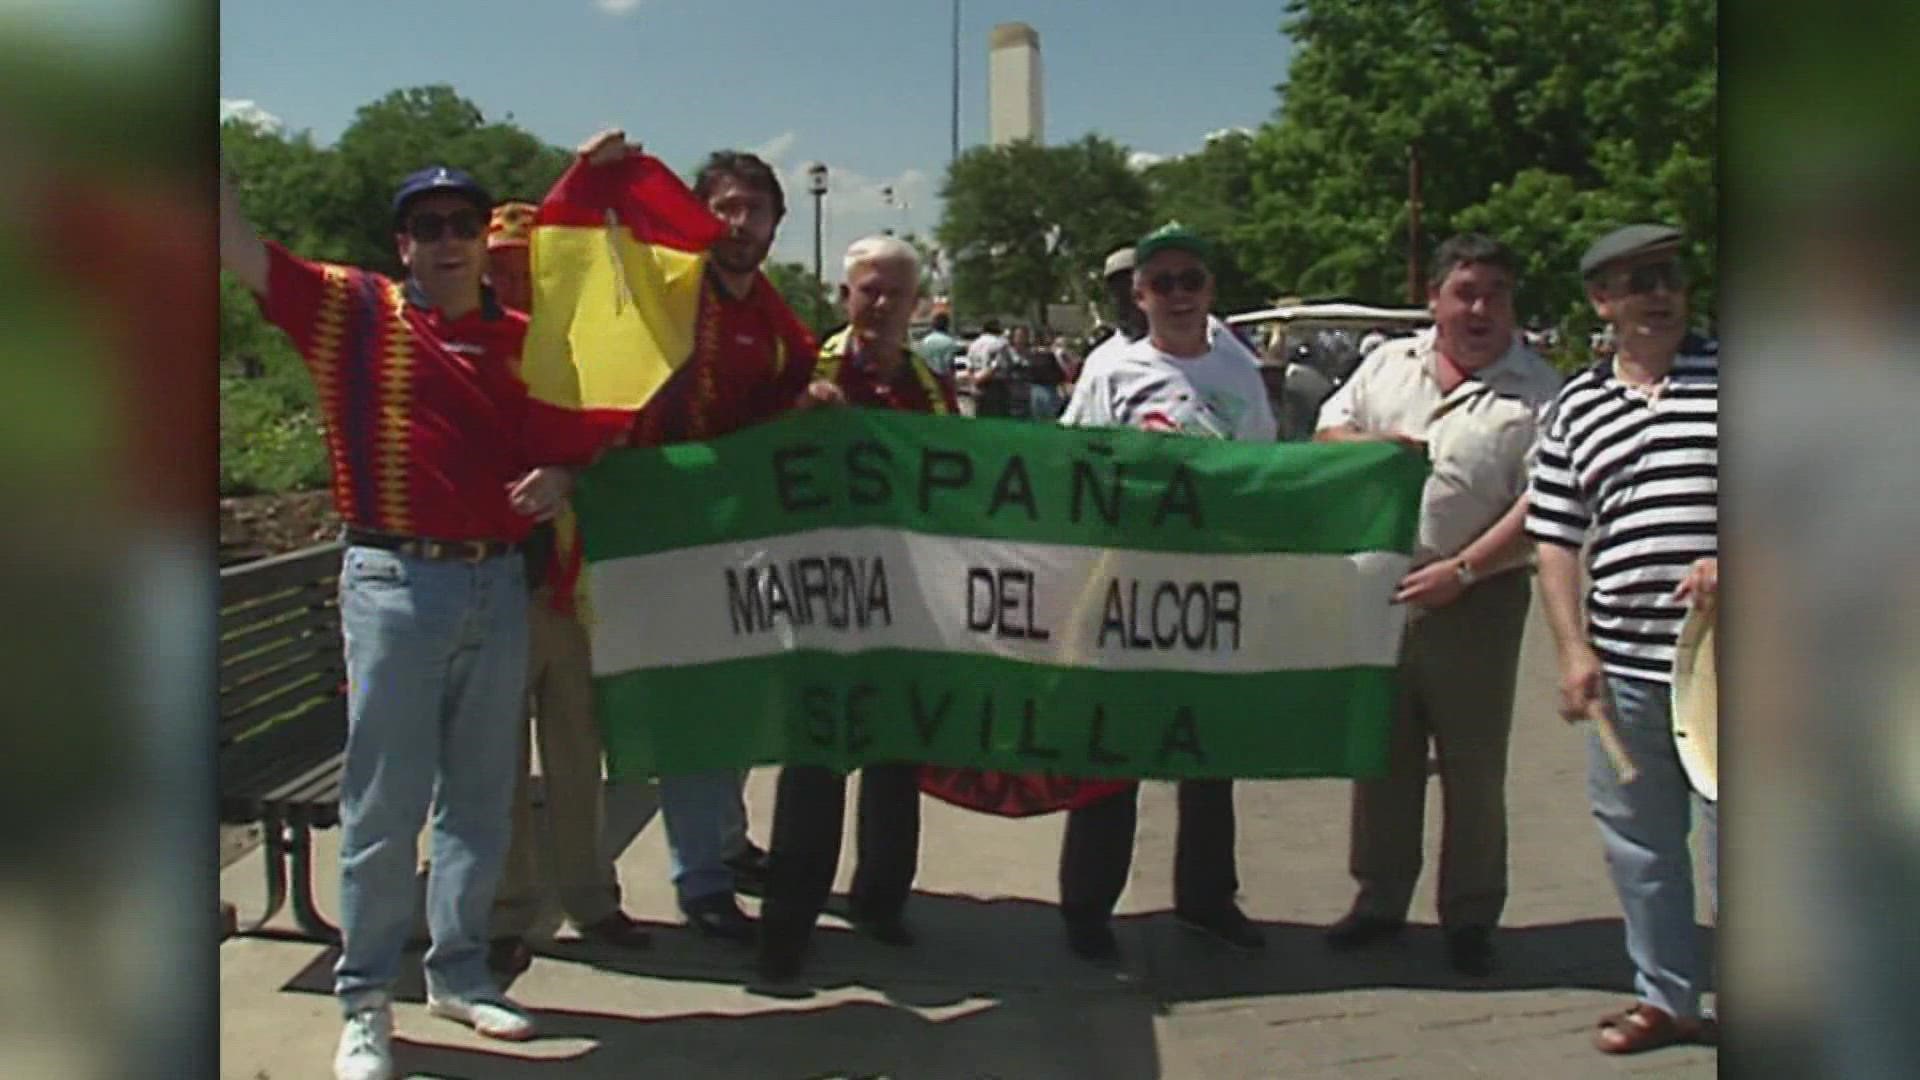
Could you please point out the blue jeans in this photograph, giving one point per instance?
(1043, 403)
(706, 824)
(436, 691)
(1644, 827)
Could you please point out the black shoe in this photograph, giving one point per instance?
(749, 871)
(1228, 924)
(1359, 930)
(888, 930)
(1091, 940)
(779, 959)
(719, 916)
(1470, 951)
(617, 930)
(508, 956)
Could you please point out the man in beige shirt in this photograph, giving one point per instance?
(1469, 396)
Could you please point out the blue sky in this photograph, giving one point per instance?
(863, 85)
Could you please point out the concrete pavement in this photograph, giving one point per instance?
(991, 992)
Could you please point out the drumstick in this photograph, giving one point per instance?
(1610, 740)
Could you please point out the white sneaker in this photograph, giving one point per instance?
(497, 1018)
(366, 1045)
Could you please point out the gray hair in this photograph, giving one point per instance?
(881, 249)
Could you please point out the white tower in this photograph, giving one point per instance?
(1013, 85)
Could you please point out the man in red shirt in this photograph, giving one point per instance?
(422, 410)
(751, 362)
(867, 364)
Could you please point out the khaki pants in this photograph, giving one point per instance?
(1458, 666)
(560, 686)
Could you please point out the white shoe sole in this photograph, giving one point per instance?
(461, 1013)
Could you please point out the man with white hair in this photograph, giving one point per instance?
(869, 364)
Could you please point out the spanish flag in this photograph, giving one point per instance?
(618, 255)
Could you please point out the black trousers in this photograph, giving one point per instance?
(1098, 852)
(809, 811)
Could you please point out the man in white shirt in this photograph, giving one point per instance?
(1179, 378)
(985, 353)
(1468, 396)
(1130, 323)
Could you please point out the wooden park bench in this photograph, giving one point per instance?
(283, 718)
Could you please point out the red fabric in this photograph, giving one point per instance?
(750, 364)
(1014, 794)
(423, 414)
(140, 254)
(649, 199)
(557, 435)
(751, 361)
(906, 391)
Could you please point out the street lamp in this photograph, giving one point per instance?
(817, 187)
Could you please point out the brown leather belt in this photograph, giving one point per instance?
(421, 547)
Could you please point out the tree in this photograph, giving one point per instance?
(1541, 122)
(432, 125)
(1211, 192)
(333, 203)
(811, 300)
(1027, 225)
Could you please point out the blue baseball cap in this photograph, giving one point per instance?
(440, 178)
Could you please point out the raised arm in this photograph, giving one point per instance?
(241, 252)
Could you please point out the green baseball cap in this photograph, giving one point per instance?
(1169, 237)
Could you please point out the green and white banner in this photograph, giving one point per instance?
(855, 585)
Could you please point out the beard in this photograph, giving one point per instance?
(740, 255)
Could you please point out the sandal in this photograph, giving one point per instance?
(1646, 1027)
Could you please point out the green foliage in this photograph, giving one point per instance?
(269, 440)
(1211, 192)
(1540, 122)
(335, 203)
(432, 125)
(808, 298)
(1029, 225)
(332, 204)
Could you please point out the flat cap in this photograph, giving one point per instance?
(1628, 240)
(1120, 262)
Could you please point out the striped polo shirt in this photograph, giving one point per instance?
(1632, 475)
(423, 413)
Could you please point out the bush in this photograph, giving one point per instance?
(269, 441)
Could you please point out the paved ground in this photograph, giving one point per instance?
(990, 993)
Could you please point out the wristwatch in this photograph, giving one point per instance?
(1463, 571)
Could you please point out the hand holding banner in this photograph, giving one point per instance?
(855, 585)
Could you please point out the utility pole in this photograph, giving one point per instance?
(1416, 294)
(953, 130)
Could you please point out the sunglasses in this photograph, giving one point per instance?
(1191, 279)
(427, 226)
(1644, 279)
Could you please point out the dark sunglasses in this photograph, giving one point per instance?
(1191, 279)
(1644, 279)
(427, 226)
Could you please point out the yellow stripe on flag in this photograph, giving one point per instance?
(606, 334)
